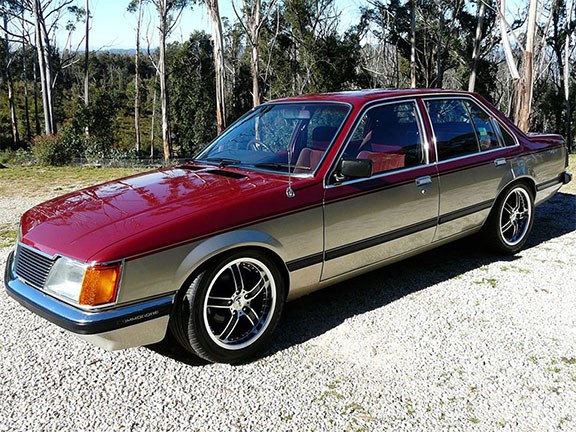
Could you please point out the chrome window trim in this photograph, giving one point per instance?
(500, 135)
(250, 168)
(425, 145)
(377, 176)
(483, 108)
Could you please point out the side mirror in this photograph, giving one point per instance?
(355, 168)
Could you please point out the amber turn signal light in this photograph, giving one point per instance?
(99, 285)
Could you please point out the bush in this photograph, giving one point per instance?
(50, 150)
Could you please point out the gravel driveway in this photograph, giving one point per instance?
(454, 339)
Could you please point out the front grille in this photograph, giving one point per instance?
(32, 266)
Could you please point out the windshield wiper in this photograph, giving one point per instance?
(224, 161)
(272, 165)
(280, 166)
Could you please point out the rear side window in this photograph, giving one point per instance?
(487, 138)
(507, 139)
(453, 128)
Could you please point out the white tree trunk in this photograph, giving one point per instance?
(218, 40)
(525, 86)
(45, 77)
(477, 40)
(137, 80)
(166, 144)
(13, 119)
(506, 42)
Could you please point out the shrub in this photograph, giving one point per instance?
(50, 150)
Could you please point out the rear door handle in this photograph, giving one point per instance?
(499, 161)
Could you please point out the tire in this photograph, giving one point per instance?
(511, 220)
(229, 311)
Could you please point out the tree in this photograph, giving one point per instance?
(8, 75)
(218, 40)
(477, 40)
(193, 91)
(525, 84)
(253, 16)
(133, 6)
(169, 12)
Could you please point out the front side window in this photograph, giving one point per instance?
(279, 137)
(390, 136)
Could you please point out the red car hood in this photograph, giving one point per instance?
(150, 211)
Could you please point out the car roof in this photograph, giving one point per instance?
(356, 97)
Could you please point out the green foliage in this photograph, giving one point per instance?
(192, 93)
(98, 118)
(50, 150)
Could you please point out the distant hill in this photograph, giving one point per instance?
(127, 51)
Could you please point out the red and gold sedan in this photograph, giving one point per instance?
(298, 194)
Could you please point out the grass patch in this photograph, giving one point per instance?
(52, 181)
(569, 360)
(487, 281)
(8, 233)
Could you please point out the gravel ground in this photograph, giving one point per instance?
(455, 339)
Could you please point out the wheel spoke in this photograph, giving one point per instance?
(507, 226)
(516, 229)
(258, 287)
(252, 316)
(237, 276)
(230, 326)
(508, 207)
(219, 302)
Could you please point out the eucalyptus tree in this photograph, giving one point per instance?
(218, 40)
(252, 18)
(169, 12)
(8, 59)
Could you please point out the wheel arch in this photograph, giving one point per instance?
(218, 247)
(525, 180)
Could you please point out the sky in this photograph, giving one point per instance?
(112, 27)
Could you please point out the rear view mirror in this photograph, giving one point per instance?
(355, 168)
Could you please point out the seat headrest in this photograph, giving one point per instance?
(323, 135)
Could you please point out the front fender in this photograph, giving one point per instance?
(222, 243)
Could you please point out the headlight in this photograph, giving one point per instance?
(65, 279)
(82, 284)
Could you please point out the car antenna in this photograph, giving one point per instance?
(289, 191)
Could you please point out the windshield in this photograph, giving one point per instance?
(279, 137)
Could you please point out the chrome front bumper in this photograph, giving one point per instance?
(121, 327)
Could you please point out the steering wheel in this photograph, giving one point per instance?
(257, 145)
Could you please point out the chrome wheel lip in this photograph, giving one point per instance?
(515, 216)
(239, 301)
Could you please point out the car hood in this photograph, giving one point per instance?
(147, 212)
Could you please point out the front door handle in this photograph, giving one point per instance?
(499, 162)
(423, 181)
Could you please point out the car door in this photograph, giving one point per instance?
(472, 163)
(369, 220)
